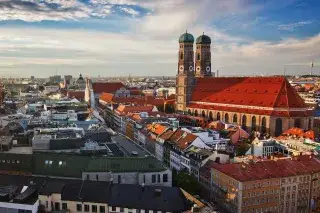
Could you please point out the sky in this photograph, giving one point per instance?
(140, 37)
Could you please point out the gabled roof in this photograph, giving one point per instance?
(122, 109)
(108, 87)
(185, 140)
(269, 92)
(156, 128)
(106, 97)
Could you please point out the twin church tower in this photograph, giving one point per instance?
(191, 66)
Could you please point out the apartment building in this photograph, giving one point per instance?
(280, 186)
(74, 196)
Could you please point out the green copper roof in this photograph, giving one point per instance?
(186, 38)
(203, 39)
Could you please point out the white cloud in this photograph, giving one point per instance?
(293, 26)
(112, 54)
(130, 11)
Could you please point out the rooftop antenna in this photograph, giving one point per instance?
(311, 67)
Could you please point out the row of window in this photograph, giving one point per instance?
(86, 208)
(259, 185)
(260, 210)
(12, 161)
(60, 163)
(262, 193)
(259, 201)
(164, 178)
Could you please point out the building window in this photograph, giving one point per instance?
(86, 208)
(144, 178)
(94, 208)
(165, 178)
(114, 208)
(79, 207)
(158, 178)
(119, 178)
(64, 206)
(121, 209)
(153, 178)
(88, 177)
(102, 209)
(198, 56)
(97, 177)
(56, 206)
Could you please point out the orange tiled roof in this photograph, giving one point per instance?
(270, 169)
(108, 87)
(300, 133)
(126, 109)
(271, 92)
(156, 128)
(185, 141)
(106, 97)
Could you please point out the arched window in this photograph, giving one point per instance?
(297, 122)
(226, 118)
(196, 113)
(253, 123)
(203, 114)
(244, 122)
(189, 112)
(264, 125)
(218, 116)
(198, 56)
(278, 129)
(235, 118)
(181, 56)
(210, 116)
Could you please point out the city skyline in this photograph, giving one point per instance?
(140, 37)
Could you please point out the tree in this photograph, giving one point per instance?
(242, 148)
(186, 181)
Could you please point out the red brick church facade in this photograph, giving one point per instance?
(266, 104)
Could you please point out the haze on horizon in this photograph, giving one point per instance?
(140, 37)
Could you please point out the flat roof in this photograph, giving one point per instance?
(20, 150)
(129, 146)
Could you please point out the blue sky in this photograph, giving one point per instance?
(139, 37)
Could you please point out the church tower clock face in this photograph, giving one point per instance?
(191, 68)
(181, 68)
(198, 68)
(208, 69)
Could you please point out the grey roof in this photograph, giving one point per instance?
(168, 199)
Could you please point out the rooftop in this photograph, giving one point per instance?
(268, 92)
(243, 172)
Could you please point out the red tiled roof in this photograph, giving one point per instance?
(135, 92)
(166, 135)
(147, 100)
(300, 133)
(106, 97)
(270, 169)
(108, 87)
(185, 141)
(176, 136)
(122, 109)
(76, 94)
(156, 128)
(272, 92)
